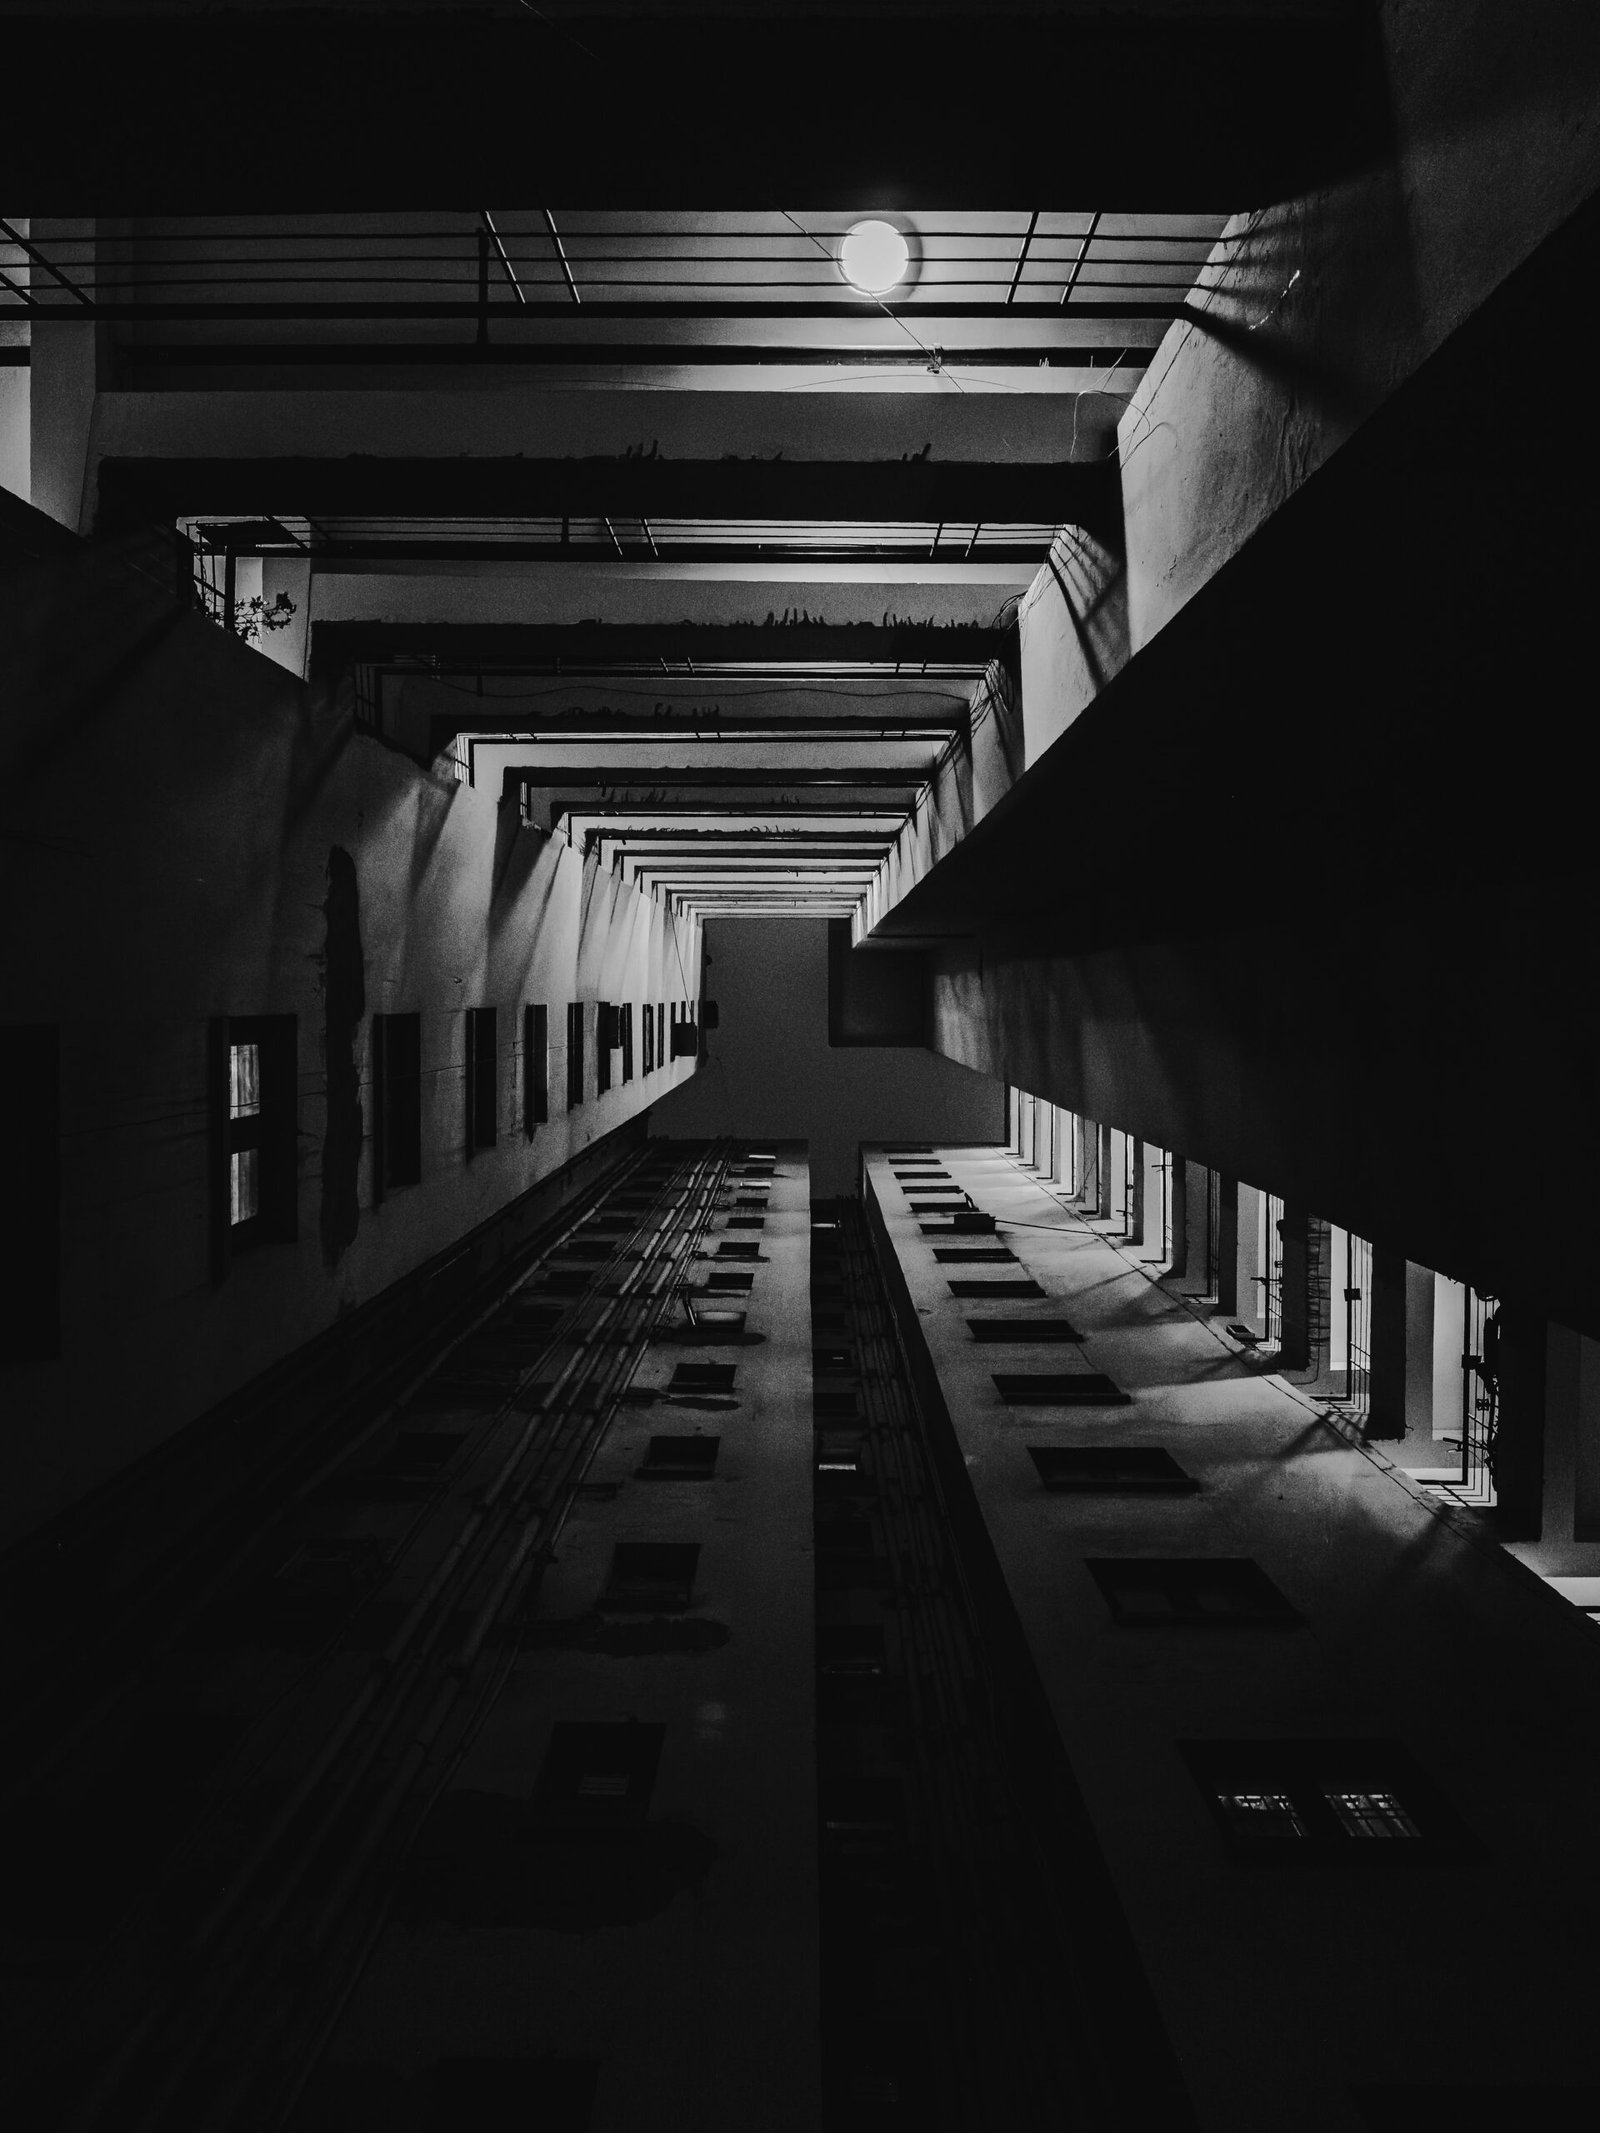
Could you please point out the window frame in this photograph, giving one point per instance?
(272, 1129)
(1311, 1775)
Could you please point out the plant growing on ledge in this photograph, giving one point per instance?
(254, 618)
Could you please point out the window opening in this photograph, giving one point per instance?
(605, 1037)
(1110, 1468)
(1371, 1814)
(256, 1093)
(396, 1102)
(1255, 1816)
(535, 1068)
(625, 1019)
(482, 1077)
(574, 1055)
(1323, 1797)
(648, 1039)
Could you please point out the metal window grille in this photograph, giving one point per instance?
(1271, 1276)
(1358, 1322)
(1262, 1814)
(1480, 1396)
(1371, 1814)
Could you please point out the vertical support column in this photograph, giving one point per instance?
(1563, 1406)
(1295, 1350)
(1102, 1196)
(1386, 1339)
(1088, 1193)
(1138, 1198)
(1586, 1449)
(1519, 1439)
(66, 368)
(1419, 1364)
(1114, 1177)
(1178, 1186)
(1227, 1191)
(1249, 1290)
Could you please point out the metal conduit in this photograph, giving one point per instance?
(267, 1970)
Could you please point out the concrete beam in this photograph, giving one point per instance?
(879, 490)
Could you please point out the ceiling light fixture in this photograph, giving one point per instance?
(874, 257)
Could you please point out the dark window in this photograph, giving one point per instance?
(599, 1774)
(535, 1068)
(605, 1036)
(396, 1102)
(651, 1575)
(1354, 1799)
(681, 1458)
(648, 1035)
(625, 1033)
(703, 1377)
(738, 1251)
(978, 1291)
(1193, 1591)
(1086, 1388)
(30, 1297)
(1116, 1469)
(574, 1055)
(1017, 1331)
(482, 1077)
(685, 1037)
(254, 1078)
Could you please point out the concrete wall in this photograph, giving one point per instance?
(1411, 1630)
(770, 1069)
(190, 832)
(1320, 306)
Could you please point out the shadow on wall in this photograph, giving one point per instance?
(771, 1070)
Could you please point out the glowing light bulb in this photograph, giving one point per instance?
(874, 257)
